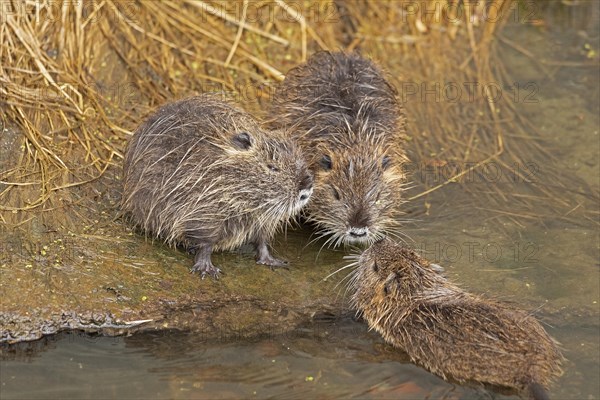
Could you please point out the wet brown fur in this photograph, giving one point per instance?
(450, 332)
(203, 173)
(350, 125)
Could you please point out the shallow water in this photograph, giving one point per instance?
(550, 266)
(324, 360)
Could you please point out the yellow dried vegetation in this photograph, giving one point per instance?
(77, 77)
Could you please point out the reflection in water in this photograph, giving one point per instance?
(324, 360)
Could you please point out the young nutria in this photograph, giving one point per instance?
(347, 119)
(450, 332)
(202, 173)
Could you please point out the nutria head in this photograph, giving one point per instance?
(357, 194)
(389, 274)
(270, 172)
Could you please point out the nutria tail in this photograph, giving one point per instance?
(537, 392)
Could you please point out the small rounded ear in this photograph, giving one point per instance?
(242, 140)
(387, 287)
(326, 162)
(336, 194)
(385, 162)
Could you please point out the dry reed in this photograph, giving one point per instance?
(76, 78)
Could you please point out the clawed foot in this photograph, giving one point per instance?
(206, 268)
(202, 263)
(272, 262)
(264, 257)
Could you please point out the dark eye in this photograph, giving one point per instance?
(385, 162)
(386, 289)
(336, 194)
(242, 140)
(375, 267)
(326, 162)
(273, 168)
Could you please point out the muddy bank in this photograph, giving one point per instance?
(113, 281)
(234, 318)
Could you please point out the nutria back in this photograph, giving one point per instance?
(351, 127)
(202, 173)
(452, 333)
(338, 96)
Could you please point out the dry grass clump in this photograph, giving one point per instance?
(471, 134)
(77, 77)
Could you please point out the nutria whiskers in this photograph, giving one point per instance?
(203, 174)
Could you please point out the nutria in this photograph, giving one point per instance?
(203, 174)
(347, 119)
(450, 332)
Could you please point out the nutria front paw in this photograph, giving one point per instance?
(206, 268)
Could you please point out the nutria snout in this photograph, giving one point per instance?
(450, 332)
(351, 127)
(305, 187)
(203, 174)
